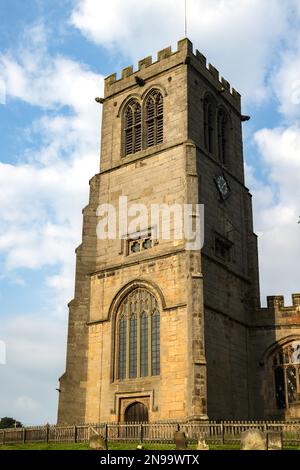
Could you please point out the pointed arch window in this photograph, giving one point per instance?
(223, 135)
(209, 128)
(137, 336)
(154, 109)
(286, 365)
(132, 128)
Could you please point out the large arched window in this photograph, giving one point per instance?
(209, 127)
(286, 365)
(154, 119)
(223, 135)
(132, 127)
(137, 341)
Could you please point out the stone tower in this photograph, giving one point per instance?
(157, 331)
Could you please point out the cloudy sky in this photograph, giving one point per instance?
(53, 57)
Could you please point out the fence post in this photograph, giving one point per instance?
(75, 434)
(141, 433)
(106, 432)
(24, 435)
(3, 438)
(222, 433)
(47, 432)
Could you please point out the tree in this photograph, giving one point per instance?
(6, 423)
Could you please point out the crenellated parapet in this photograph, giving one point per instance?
(278, 313)
(167, 59)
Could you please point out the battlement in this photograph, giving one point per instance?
(184, 54)
(277, 310)
(276, 302)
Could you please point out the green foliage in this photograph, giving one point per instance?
(6, 423)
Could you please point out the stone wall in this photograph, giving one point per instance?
(272, 327)
(210, 362)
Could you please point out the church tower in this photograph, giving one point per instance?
(158, 331)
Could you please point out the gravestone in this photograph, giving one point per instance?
(202, 444)
(274, 440)
(254, 439)
(97, 443)
(140, 447)
(180, 440)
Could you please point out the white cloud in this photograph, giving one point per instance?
(276, 200)
(277, 210)
(40, 213)
(286, 84)
(241, 38)
(41, 197)
(35, 346)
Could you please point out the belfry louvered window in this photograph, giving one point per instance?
(137, 342)
(208, 112)
(154, 119)
(223, 135)
(132, 128)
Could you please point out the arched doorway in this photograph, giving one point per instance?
(136, 413)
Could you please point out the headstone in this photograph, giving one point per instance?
(180, 440)
(274, 440)
(254, 439)
(202, 444)
(293, 411)
(97, 443)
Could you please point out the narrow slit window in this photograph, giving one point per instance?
(223, 136)
(155, 347)
(122, 348)
(144, 344)
(133, 347)
(208, 112)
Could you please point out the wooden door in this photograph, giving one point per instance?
(136, 413)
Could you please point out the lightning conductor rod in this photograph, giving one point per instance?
(185, 18)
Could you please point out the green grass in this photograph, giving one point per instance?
(113, 446)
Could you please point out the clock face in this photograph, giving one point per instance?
(223, 186)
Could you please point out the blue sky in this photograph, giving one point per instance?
(53, 57)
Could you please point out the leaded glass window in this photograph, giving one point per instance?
(122, 348)
(137, 336)
(144, 344)
(155, 338)
(133, 346)
(286, 364)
